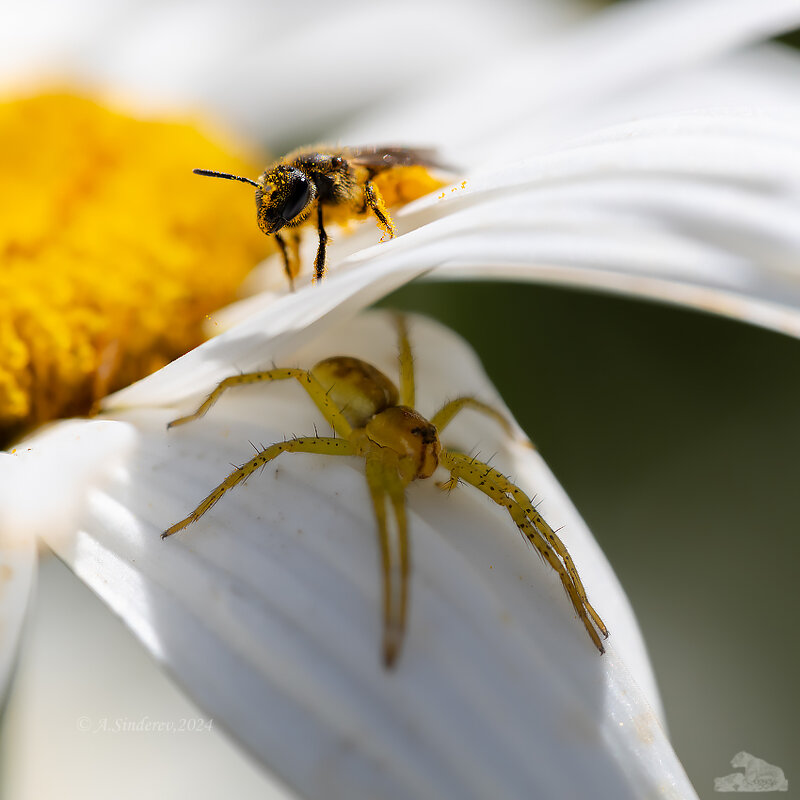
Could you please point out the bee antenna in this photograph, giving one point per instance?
(211, 174)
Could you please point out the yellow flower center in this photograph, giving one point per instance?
(112, 251)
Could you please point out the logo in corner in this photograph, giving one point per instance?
(758, 776)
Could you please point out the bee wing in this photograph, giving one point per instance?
(379, 158)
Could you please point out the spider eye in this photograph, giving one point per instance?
(297, 197)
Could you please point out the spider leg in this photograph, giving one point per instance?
(383, 480)
(322, 445)
(552, 537)
(444, 416)
(533, 527)
(315, 390)
(374, 200)
(319, 261)
(406, 358)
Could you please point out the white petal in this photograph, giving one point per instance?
(44, 495)
(763, 77)
(17, 572)
(538, 93)
(278, 72)
(267, 609)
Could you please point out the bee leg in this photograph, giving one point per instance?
(294, 255)
(287, 266)
(319, 261)
(378, 207)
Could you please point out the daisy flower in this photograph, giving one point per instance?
(266, 609)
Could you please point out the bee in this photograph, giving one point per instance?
(319, 186)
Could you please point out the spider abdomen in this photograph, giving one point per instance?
(357, 388)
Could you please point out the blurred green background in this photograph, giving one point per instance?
(677, 436)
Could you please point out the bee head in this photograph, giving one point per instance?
(283, 197)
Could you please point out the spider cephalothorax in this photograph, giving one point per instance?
(373, 420)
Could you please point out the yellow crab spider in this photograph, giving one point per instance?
(375, 421)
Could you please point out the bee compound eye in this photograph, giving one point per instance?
(297, 197)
